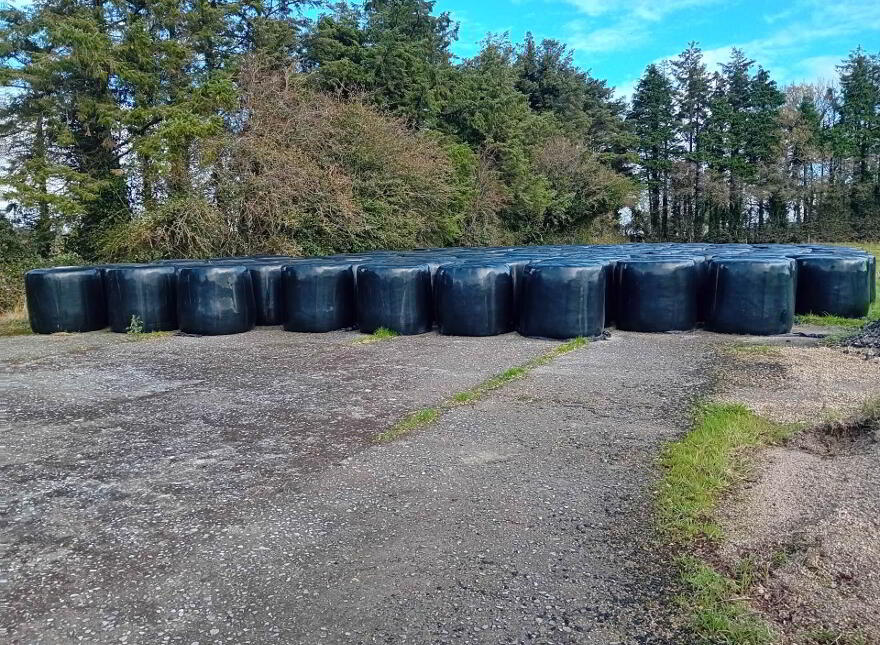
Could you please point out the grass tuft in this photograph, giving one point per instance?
(382, 333)
(409, 423)
(698, 470)
(701, 467)
(717, 605)
(135, 331)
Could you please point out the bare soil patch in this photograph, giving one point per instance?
(807, 519)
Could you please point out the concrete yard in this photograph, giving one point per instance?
(229, 489)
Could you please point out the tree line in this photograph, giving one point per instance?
(133, 129)
(729, 156)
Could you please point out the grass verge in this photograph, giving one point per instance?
(702, 466)
(425, 416)
(717, 605)
(698, 470)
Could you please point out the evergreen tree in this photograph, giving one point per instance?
(653, 120)
(396, 50)
(108, 98)
(692, 97)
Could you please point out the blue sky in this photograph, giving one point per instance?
(796, 40)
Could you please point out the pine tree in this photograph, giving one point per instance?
(692, 97)
(763, 145)
(653, 120)
(109, 98)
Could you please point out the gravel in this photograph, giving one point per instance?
(867, 337)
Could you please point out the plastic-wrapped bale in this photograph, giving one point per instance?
(267, 279)
(610, 260)
(839, 285)
(67, 299)
(474, 298)
(517, 265)
(872, 267)
(215, 299)
(318, 296)
(656, 294)
(563, 298)
(395, 296)
(751, 295)
(147, 293)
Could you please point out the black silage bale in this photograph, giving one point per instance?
(839, 285)
(564, 298)
(474, 298)
(69, 299)
(656, 294)
(394, 295)
(752, 295)
(872, 265)
(268, 298)
(319, 296)
(213, 299)
(148, 292)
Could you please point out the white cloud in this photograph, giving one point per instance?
(630, 22)
(607, 39)
(626, 89)
(823, 68)
(799, 28)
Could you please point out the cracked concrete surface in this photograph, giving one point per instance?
(226, 490)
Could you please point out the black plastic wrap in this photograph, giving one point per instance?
(839, 285)
(474, 299)
(646, 289)
(66, 299)
(657, 294)
(215, 299)
(268, 298)
(319, 296)
(872, 262)
(395, 296)
(146, 291)
(517, 268)
(751, 295)
(563, 298)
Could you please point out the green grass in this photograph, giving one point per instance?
(697, 471)
(701, 467)
(382, 333)
(426, 416)
(409, 423)
(717, 606)
(135, 331)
